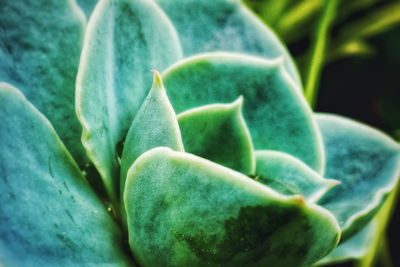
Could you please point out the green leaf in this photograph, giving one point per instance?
(40, 45)
(289, 176)
(124, 40)
(352, 249)
(87, 6)
(184, 210)
(219, 133)
(366, 161)
(155, 125)
(276, 113)
(49, 214)
(224, 25)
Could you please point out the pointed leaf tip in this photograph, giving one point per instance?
(157, 80)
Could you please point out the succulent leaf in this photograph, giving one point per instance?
(366, 161)
(124, 40)
(155, 125)
(87, 6)
(277, 115)
(225, 25)
(49, 214)
(352, 249)
(219, 133)
(289, 176)
(39, 54)
(183, 210)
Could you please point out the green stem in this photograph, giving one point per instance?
(317, 51)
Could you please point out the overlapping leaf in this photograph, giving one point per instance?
(40, 45)
(124, 40)
(219, 133)
(366, 161)
(183, 210)
(224, 25)
(155, 125)
(276, 113)
(49, 215)
(289, 176)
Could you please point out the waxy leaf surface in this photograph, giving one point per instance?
(289, 176)
(40, 45)
(155, 125)
(49, 214)
(276, 113)
(354, 248)
(366, 161)
(183, 210)
(224, 25)
(219, 133)
(123, 41)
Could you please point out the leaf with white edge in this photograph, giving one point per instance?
(219, 133)
(290, 176)
(184, 210)
(276, 113)
(123, 41)
(225, 25)
(352, 249)
(155, 125)
(49, 214)
(366, 161)
(40, 45)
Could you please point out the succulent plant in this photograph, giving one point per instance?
(244, 174)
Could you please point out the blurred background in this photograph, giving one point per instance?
(348, 54)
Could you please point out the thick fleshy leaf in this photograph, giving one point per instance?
(87, 6)
(40, 45)
(155, 125)
(184, 210)
(289, 176)
(124, 40)
(352, 249)
(366, 161)
(224, 25)
(277, 115)
(219, 133)
(49, 215)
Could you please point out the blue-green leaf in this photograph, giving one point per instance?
(366, 161)
(87, 6)
(155, 125)
(219, 133)
(224, 25)
(124, 40)
(40, 45)
(183, 210)
(354, 248)
(276, 113)
(49, 214)
(289, 176)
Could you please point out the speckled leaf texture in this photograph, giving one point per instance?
(49, 215)
(219, 133)
(354, 248)
(366, 161)
(40, 45)
(155, 125)
(184, 210)
(224, 25)
(123, 41)
(289, 176)
(276, 113)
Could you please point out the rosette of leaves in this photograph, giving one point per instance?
(244, 174)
